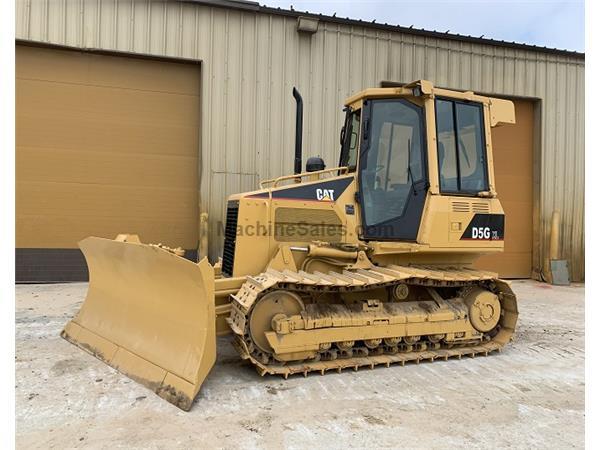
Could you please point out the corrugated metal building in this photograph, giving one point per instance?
(135, 116)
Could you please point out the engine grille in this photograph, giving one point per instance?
(461, 207)
(230, 233)
(481, 207)
(303, 224)
(468, 206)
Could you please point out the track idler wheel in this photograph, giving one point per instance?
(274, 305)
(484, 309)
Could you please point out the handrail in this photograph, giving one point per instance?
(275, 181)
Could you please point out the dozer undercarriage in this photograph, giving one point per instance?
(369, 263)
(294, 322)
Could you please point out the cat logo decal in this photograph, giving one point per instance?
(325, 195)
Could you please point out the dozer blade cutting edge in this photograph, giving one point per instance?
(149, 314)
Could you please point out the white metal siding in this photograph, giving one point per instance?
(251, 60)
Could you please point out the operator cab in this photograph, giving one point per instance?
(385, 139)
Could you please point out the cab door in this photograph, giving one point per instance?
(393, 179)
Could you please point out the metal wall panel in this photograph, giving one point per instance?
(252, 59)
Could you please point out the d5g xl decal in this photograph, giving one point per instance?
(485, 227)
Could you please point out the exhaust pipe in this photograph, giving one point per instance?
(298, 148)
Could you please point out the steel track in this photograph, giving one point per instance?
(362, 280)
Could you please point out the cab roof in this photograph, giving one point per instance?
(502, 111)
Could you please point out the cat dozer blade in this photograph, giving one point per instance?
(150, 314)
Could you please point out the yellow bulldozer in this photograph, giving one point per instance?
(368, 263)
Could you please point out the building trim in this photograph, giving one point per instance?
(99, 51)
(253, 6)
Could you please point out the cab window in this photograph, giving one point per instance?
(394, 161)
(461, 147)
(350, 140)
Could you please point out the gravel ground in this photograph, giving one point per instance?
(529, 396)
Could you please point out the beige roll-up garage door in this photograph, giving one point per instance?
(513, 161)
(104, 145)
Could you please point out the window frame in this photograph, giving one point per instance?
(486, 174)
(347, 138)
(365, 148)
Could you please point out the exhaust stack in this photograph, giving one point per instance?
(298, 148)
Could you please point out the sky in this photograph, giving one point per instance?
(555, 23)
